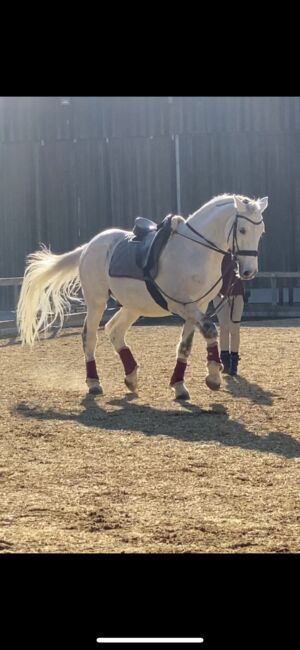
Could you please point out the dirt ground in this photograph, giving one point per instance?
(118, 473)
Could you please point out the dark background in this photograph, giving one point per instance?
(234, 601)
(73, 166)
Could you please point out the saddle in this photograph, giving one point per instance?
(143, 227)
(137, 255)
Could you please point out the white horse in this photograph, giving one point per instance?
(188, 278)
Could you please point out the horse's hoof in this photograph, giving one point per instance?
(183, 396)
(96, 390)
(131, 381)
(181, 392)
(132, 386)
(211, 384)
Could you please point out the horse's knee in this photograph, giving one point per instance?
(208, 329)
(185, 346)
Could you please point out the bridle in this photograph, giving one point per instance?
(235, 247)
(235, 252)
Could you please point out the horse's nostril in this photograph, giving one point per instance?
(247, 273)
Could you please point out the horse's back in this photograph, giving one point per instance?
(109, 235)
(106, 239)
(98, 250)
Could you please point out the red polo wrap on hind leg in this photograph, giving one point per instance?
(128, 360)
(213, 353)
(178, 374)
(91, 371)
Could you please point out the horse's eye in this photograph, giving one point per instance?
(243, 231)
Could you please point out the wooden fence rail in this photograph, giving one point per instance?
(277, 281)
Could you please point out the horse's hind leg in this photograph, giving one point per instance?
(116, 329)
(89, 340)
(183, 352)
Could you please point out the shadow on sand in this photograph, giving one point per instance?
(192, 424)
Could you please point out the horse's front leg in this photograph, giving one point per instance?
(214, 366)
(183, 352)
(209, 332)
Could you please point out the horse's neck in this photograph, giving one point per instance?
(214, 223)
(202, 265)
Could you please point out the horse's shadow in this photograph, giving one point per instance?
(192, 424)
(240, 387)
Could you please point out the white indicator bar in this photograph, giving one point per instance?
(149, 640)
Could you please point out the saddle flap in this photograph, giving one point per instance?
(150, 256)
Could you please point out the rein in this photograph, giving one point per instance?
(209, 244)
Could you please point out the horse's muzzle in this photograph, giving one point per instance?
(247, 275)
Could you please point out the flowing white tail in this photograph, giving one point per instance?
(49, 283)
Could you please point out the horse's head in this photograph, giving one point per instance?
(245, 233)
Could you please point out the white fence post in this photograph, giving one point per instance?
(178, 187)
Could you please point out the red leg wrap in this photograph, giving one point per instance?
(213, 353)
(178, 374)
(128, 360)
(91, 371)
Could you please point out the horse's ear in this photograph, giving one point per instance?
(263, 203)
(239, 205)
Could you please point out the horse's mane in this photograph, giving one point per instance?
(221, 199)
(252, 204)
